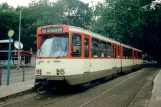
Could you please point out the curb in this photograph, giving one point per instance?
(17, 94)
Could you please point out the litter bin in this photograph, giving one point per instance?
(0, 75)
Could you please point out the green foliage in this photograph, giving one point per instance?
(132, 22)
(11, 66)
(39, 13)
(76, 13)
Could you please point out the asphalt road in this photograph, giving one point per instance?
(131, 90)
(17, 76)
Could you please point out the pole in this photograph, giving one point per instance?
(23, 73)
(0, 75)
(19, 40)
(9, 58)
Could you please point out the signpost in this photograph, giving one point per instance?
(10, 34)
(5, 41)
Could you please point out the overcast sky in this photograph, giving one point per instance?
(15, 3)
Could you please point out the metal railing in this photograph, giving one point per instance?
(25, 73)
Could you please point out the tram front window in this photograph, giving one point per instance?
(53, 46)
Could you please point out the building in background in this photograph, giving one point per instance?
(27, 57)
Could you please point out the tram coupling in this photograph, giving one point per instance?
(41, 86)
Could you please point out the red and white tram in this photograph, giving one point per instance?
(72, 55)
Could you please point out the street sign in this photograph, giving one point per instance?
(16, 44)
(11, 33)
(5, 41)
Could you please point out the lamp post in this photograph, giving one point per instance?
(19, 40)
(44, 17)
(10, 34)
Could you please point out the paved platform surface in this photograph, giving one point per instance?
(12, 89)
(17, 76)
(156, 92)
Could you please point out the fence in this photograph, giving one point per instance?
(24, 73)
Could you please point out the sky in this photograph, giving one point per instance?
(15, 3)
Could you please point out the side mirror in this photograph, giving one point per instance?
(74, 48)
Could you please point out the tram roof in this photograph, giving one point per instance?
(78, 29)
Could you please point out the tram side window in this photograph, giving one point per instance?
(108, 48)
(95, 48)
(86, 47)
(112, 51)
(127, 53)
(139, 55)
(103, 49)
(76, 42)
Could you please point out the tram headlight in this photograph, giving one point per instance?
(38, 71)
(62, 72)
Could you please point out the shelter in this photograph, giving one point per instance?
(27, 57)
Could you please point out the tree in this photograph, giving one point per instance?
(121, 20)
(132, 22)
(76, 13)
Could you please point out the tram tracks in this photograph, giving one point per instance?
(56, 100)
(135, 94)
(132, 98)
(90, 101)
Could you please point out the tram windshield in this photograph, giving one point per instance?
(53, 46)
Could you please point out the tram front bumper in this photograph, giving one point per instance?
(58, 78)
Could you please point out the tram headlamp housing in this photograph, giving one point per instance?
(62, 72)
(38, 71)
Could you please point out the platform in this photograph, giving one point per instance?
(156, 92)
(17, 88)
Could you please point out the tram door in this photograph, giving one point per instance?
(114, 49)
(86, 59)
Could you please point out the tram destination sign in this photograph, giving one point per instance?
(52, 29)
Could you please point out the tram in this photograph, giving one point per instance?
(69, 55)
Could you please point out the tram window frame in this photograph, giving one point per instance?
(115, 51)
(130, 53)
(103, 53)
(86, 50)
(108, 48)
(118, 56)
(94, 42)
(78, 45)
(136, 54)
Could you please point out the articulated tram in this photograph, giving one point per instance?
(68, 55)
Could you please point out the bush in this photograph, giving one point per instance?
(11, 67)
